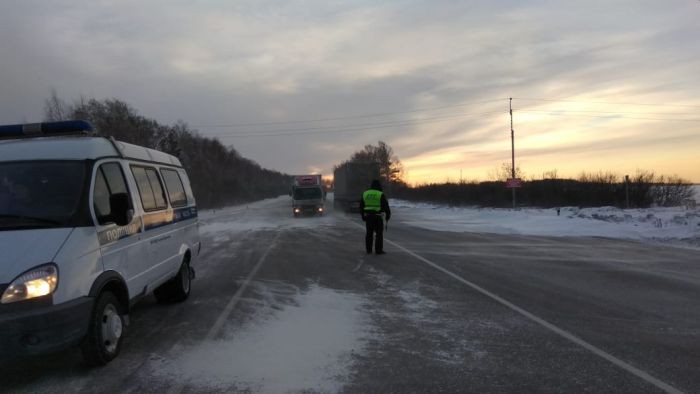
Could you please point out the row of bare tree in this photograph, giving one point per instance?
(219, 174)
(644, 189)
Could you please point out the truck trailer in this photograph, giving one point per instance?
(350, 180)
(308, 195)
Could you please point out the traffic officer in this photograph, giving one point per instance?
(372, 205)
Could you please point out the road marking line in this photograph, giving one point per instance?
(561, 332)
(214, 330)
(359, 265)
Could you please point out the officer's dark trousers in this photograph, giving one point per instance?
(374, 224)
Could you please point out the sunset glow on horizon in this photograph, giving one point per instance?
(571, 137)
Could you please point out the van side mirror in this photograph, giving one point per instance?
(121, 212)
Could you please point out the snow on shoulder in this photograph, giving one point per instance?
(308, 345)
(660, 224)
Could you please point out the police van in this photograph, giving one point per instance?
(88, 225)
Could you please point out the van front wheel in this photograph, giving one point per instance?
(104, 338)
(178, 288)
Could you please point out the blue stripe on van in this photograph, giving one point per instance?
(160, 219)
(151, 221)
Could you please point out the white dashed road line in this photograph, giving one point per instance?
(221, 320)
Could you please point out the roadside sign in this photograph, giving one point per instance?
(514, 182)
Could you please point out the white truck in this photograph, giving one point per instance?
(350, 180)
(308, 195)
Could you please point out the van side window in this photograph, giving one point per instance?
(176, 191)
(100, 198)
(109, 180)
(157, 187)
(150, 188)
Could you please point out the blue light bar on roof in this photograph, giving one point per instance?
(45, 128)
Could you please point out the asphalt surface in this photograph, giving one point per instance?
(283, 304)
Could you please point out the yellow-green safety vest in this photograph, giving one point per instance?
(373, 200)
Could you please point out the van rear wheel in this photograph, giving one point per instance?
(178, 288)
(104, 339)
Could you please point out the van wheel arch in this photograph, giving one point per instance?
(178, 288)
(113, 282)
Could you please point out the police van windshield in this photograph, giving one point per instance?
(39, 193)
(307, 193)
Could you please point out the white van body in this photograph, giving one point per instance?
(86, 251)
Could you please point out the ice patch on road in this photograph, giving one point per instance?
(668, 225)
(235, 226)
(207, 214)
(306, 346)
(418, 306)
(430, 329)
(246, 223)
(262, 215)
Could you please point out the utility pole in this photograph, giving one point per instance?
(512, 146)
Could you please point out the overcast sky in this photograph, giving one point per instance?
(431, 78)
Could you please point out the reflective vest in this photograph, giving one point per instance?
(373, 200)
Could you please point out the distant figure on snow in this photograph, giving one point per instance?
(372, 205)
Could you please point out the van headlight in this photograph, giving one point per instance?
(38, 282)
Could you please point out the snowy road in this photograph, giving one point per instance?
(292, 305)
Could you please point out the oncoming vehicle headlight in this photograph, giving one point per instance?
(320, 209)
(38, 282)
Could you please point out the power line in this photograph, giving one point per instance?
(369, 126)
(373, 115)
(603, 102)
(358, 125)
(361, 127)
(612, 117)
(526, 109)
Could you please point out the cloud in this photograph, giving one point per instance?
(220, 62)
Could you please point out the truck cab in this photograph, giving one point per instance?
(308, 195)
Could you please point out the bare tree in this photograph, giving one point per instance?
(55, 109)
(390, 167)
(551, 174)
(671, 191)
(504, 172)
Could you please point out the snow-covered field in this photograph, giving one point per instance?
(677, 226)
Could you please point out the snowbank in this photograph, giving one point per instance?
(660, 224)
(308, 345)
